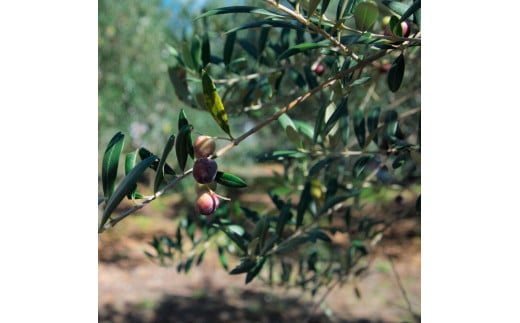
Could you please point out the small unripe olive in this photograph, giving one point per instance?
(205, 170)
(204, 146)
(207, 203)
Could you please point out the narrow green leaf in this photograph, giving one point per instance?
(248, 47)
(145, 153)
(288, 245)
(285, 216)
(320, 120)
(359, 127)
(229, 180)
(239, 9)
(228, 47)
(318, 166)
(357, 244)
(222, 257)
(391, 122)
(365, 14)
(159, 175)
(396, 6)
(344, 128)
(350, 7)
(373, 123)
(360, 164)
(313, 4)
(401, 159)
(360, 81)
(340, 111)
(236, 238)
(396, 73)
(125, 187)
(255, 270)
(214, 103)
(206, 50)
(246, 265)
(110, 163)
(183, 120)
(181, 145)
(196, 52)
(130, 162)
(301, 48)
(262, 40)
(303, 204)
(336, 200)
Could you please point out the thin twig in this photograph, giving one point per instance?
(400, 284)
(123, 215)
(299, 100)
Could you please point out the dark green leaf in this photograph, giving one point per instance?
(316, 234)
(341, 111)
(159, 175)
(196, 52)
(222, 258)
(239, 9)
(255, 271)
(320, 119)
(182, 145)
(248, 47)
(250, 214)
(391, 122)
(236, 238)
(145, 153)
(313, 4)
(126, 186)
(101, 199)
(395, 26)
(418, 204)
(396, 6)
(285, 216)
(130, 161)
(183, 121)
(401, 159)
(262, 40)
(260, 229)
(229, 180)
(301, 48)
(228, 47)
(246, 265)
(290, 244)
(303, 204)
(206, 50)
(350, 7)
(365, 14)
(360, 164)
(318, 166)
(373, 119)
(110, 163)
(359, 127)
(395, 74)
(336, 200)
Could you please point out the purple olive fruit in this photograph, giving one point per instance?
(205, 170)
(207, 203)
(204, 146)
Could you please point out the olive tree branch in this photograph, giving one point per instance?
(160, 192)
(300, 99)
(300, 18)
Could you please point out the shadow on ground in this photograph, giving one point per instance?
(261, 307)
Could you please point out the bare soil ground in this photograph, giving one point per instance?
(133, 289)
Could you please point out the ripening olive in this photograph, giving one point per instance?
(207, 203)
(204, 146)
(205, 170)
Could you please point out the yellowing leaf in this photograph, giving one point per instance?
(214, 103)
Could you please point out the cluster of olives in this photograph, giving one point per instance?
(204, 171)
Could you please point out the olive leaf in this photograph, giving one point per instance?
(214, 103)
